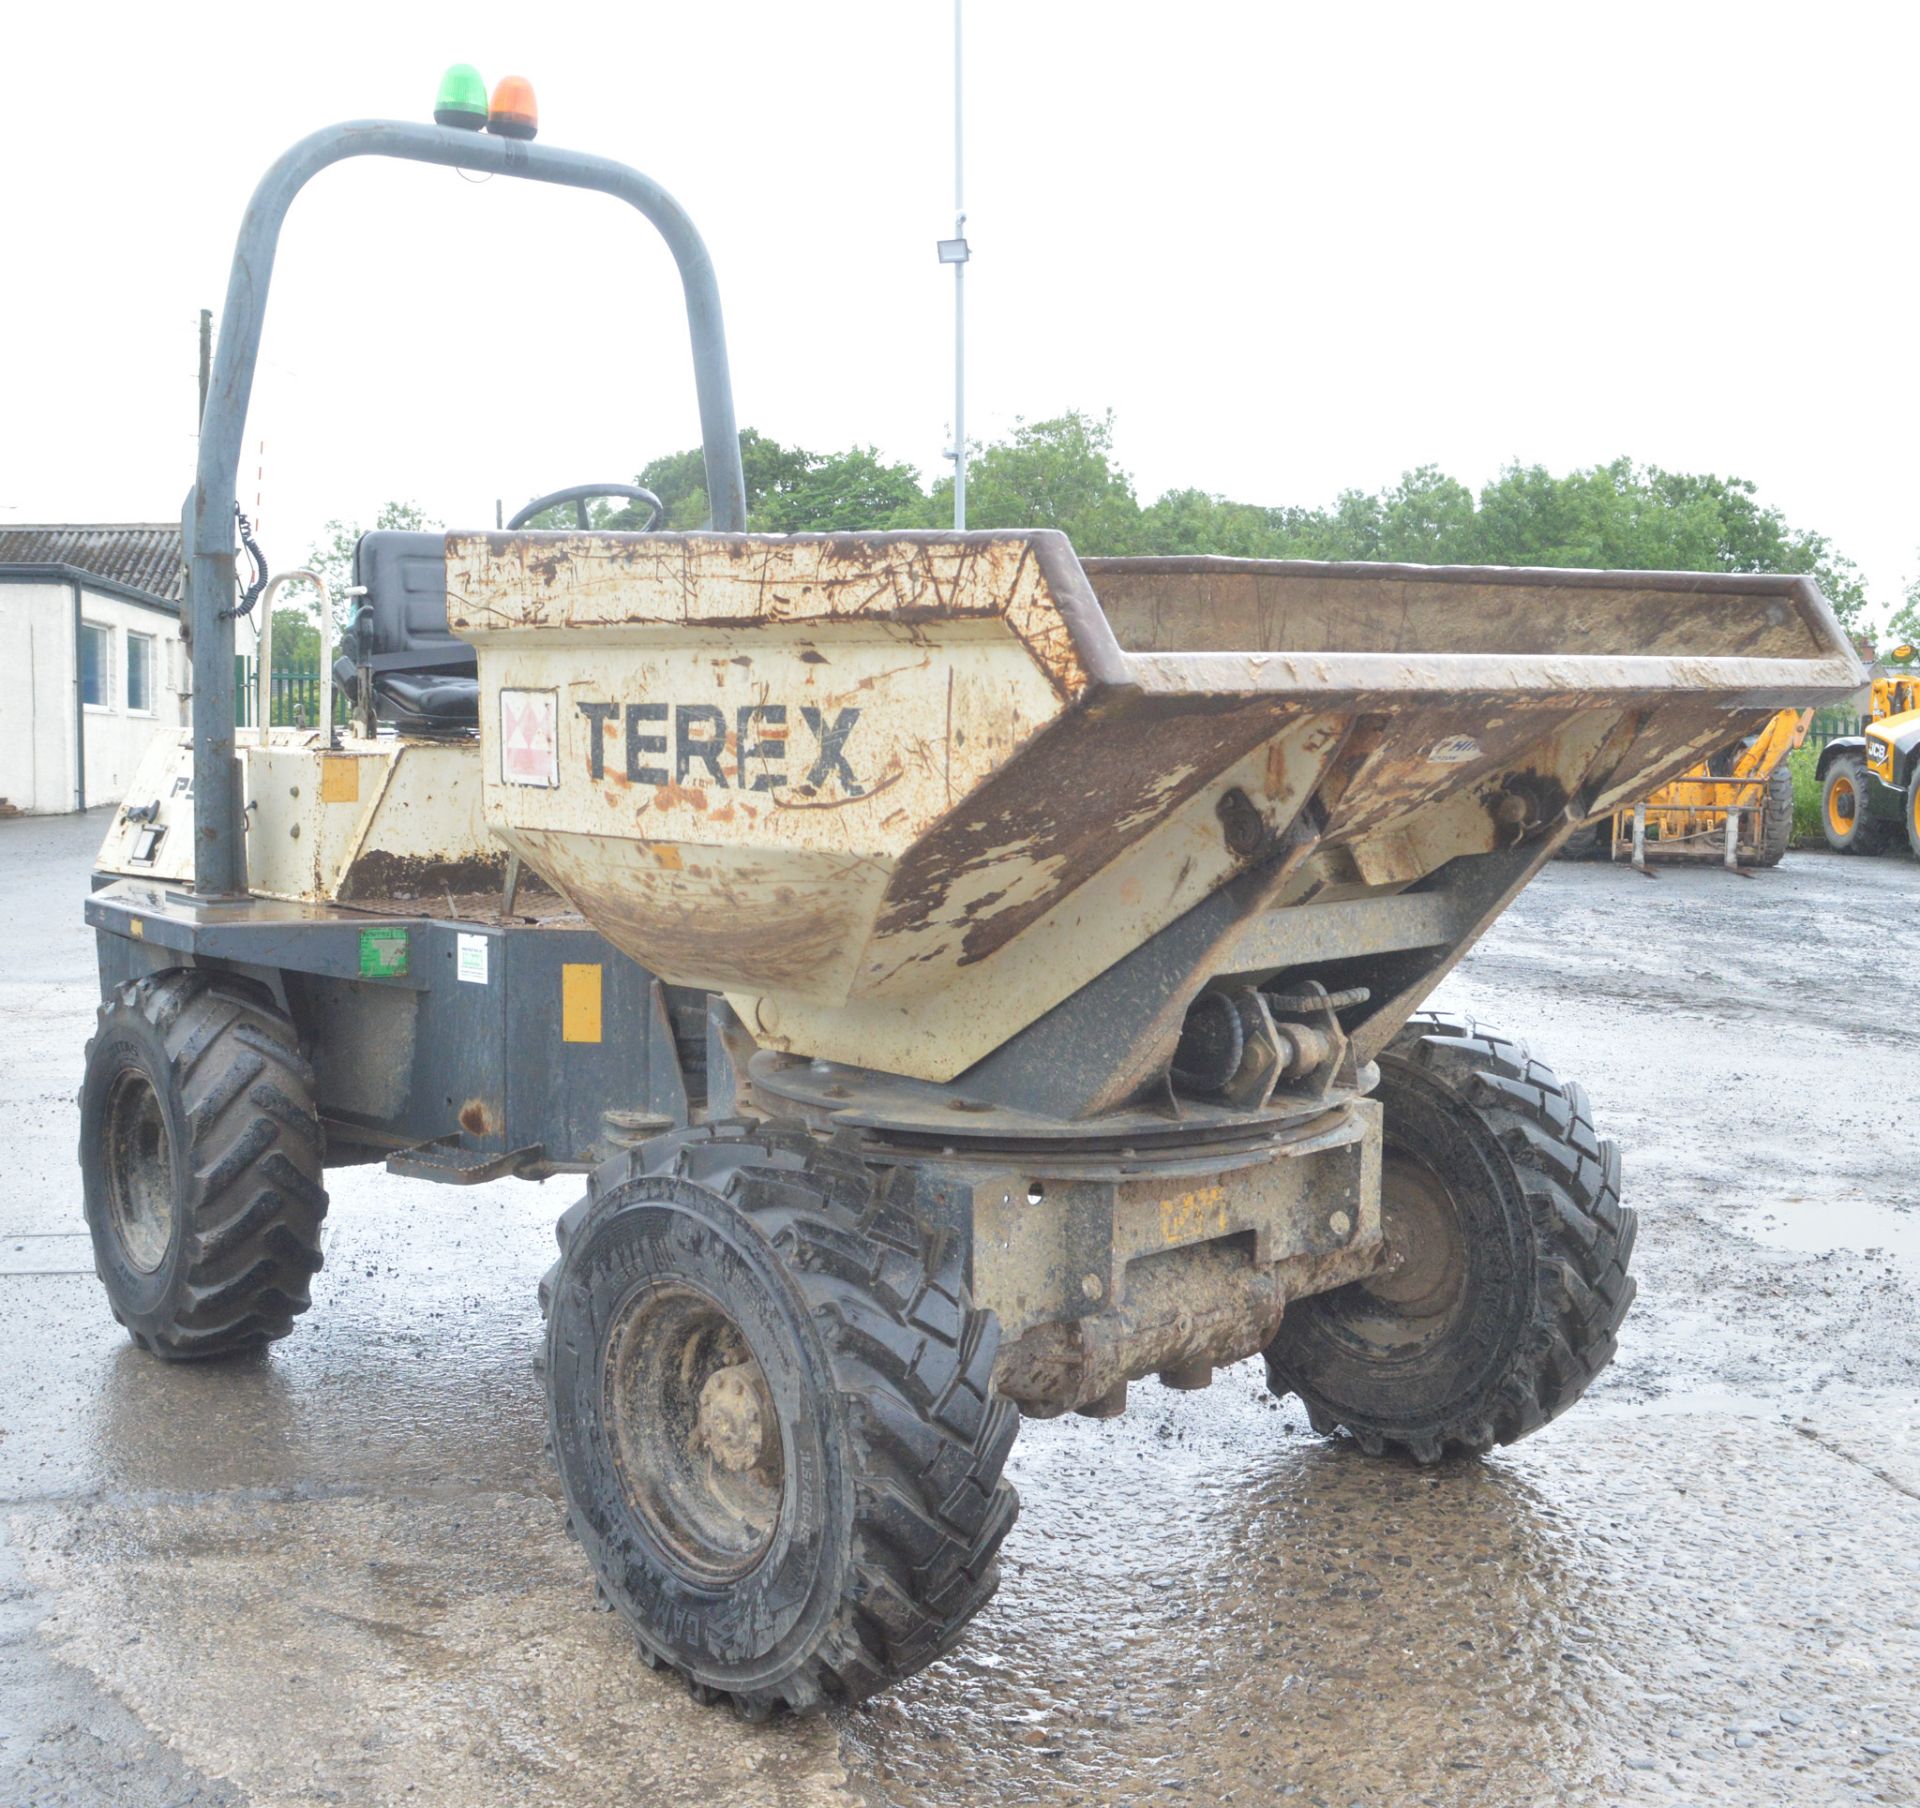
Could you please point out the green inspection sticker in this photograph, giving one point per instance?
(383, 953)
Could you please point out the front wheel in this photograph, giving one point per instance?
(1843, 809)
(769, 1396)
(1508, 1247)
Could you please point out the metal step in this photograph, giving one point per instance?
(451, 1163)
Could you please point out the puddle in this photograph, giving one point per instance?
(1821, 1226)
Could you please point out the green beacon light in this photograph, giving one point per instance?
(462, 100)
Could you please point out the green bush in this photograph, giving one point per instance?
(1806, 798)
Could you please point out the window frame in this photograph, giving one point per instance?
(151, 643)
(106, 666)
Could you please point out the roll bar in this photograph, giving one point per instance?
(219, 865)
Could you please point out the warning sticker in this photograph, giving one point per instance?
(470, 959)
(383, 953)
(529, 741)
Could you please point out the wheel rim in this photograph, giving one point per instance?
(1418, 1292)
(696, 1441)
(1842, 807)
(139, 1171)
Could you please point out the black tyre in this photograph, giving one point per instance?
(1592, 841)
(1776, 817)
(1913, 813)
(1503, 1206)
(1843, 810)
(200, 1165)
(770, 1402)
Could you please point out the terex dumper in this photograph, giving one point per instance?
(970, 981)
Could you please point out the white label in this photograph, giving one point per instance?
(1454, 750)
(529, 738)
(470, 959)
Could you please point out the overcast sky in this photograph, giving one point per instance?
(1294, 248)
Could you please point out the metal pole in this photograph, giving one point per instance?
(959, 299)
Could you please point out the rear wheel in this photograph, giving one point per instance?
(770, 1400)
(1843, 810)
(1501, 1209)
(1913, 812)
(200, 1165)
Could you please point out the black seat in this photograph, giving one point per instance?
(424, 680)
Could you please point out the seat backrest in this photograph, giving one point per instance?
(405, 574)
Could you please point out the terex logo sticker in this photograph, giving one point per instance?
(1454, 750)
(689, 743)
(529, 738)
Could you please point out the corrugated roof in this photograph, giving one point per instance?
(143, 555)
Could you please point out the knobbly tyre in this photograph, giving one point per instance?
(970, 980)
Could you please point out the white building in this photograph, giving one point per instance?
(92, 663)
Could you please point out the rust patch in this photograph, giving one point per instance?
(380, 874)
(1069, 798)
(476, 1119)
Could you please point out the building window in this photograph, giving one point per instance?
(96, 665)
(140, 673)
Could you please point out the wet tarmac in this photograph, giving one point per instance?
(336, 1573)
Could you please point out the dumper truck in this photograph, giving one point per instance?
(968, 981)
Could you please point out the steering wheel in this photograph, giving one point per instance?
(580, 494)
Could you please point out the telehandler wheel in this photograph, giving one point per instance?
(1591, 841)
(1776, 817)
(769, 1397)
(1843, 810)
(1503, 1207)
(200, 1164)
(1913, 814)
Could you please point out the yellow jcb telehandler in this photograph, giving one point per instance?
(1736, 807)
(1868, 791)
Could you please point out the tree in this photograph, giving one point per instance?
(1627, 517)
(1061, 473)
(332, 557)
(296, 611)
(789, 491)
(1058, 473)
(1904, 629)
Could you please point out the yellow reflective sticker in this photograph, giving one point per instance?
(339, 779)
(580, 1001)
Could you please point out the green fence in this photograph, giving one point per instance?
(293, 695)
(1831, 725)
